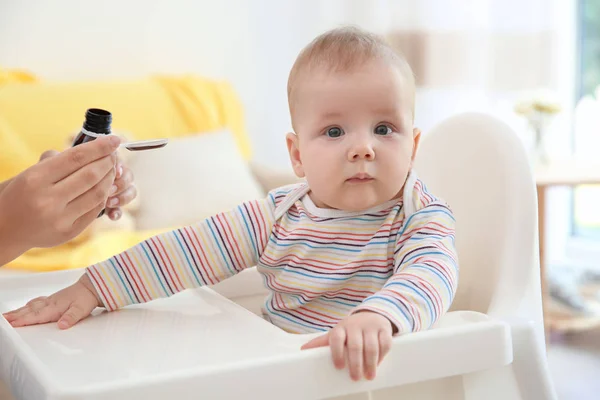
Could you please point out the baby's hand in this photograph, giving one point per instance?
(67, 306)
(363, 339)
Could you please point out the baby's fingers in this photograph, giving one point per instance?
(31, 305)
(34, 315)
(76, 312)
(14, 314)
(11, 315)
(355, 348)
(385, 344)
(337, 343)
(320, 341)
(371, 353)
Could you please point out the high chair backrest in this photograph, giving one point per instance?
(478, 165)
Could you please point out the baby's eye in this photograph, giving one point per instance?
(334, 132)
(383, 130)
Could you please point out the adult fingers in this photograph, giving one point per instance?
(71, 160)
(87, 177)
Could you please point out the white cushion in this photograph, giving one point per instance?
(190, 179)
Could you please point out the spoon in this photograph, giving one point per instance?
(141, 145)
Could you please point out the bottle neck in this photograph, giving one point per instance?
(94, 134)
(97, 121)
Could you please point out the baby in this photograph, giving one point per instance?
(361, 251)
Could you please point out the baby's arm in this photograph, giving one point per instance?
(199, 255)
(161, 266)
(425, 272)
(418, 293)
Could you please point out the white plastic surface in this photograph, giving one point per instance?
(200, 342)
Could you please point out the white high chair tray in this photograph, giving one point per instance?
(199, 343)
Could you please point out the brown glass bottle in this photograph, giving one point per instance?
(97, 122)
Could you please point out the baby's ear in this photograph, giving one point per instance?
(293, 146)
(416, 141)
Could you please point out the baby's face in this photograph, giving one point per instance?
(354, 140)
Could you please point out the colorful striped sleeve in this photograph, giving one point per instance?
(193, 256)
(425, 272)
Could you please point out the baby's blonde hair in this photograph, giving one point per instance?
(341, 50)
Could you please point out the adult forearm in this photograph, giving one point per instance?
(4, 184)
(10, 247)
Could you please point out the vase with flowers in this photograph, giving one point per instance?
(538, 110)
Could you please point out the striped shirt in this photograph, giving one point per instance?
(320, 265)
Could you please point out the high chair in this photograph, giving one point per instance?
(210, 343)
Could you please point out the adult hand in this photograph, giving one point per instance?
(56, 199)
(121, 193)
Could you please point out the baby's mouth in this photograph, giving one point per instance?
(360, 178)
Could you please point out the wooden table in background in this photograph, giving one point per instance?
(570, 174)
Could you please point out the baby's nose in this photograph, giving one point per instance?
(362, 152)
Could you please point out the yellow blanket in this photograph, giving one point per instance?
(36, 116)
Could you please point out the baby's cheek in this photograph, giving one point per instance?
(324, 180)
(321, 180)
(319, 166)
(395, 171)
